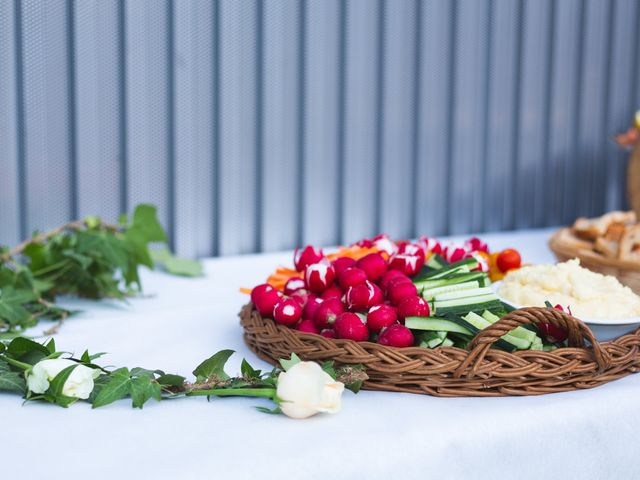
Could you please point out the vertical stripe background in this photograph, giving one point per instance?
(258, 125)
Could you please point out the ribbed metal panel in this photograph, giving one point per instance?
(258, 125)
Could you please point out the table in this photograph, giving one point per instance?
(179, 322)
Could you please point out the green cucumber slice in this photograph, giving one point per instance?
(435, 324)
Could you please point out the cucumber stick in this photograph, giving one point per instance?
(430, 339)
(464, 293)
(435, 324)
(480, 323)
(516, 332)
(436, 262)
(429, 294)
(447, 342)
(422, 283)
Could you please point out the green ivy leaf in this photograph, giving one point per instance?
(176, 266)
(116, 387)
(329, 369)
(213, 366)
(171, 380)
(272, 411)
(145, 221)
(11, 381)
(248, 371)
(51, 345)
(144, 388)
(287, 364)
(26, 350)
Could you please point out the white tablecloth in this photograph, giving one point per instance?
(584, 434)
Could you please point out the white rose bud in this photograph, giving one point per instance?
(305, 389)
(78, 385)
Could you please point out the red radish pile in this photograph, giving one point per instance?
(362, 300)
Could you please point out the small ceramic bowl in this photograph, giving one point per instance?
(604, 329)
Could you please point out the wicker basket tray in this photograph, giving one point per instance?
(454, 372)
(627, 272)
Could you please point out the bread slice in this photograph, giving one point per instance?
(592, 228)
(608, 248)
(630, 244)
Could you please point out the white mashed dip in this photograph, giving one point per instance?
(589, 294)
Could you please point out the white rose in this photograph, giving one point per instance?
(78, 385)
(306, 389)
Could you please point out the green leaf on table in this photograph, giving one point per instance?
(56, 386)
(287, 364)
(248, 371)
(144, 388)
(3, 347)
(85, 358)
(272, 411)
(213, 367)
(175, 265)
(328, 367)
(51, 345)
(9, 380)
(171, 380)
(116, 387)
(26, 350)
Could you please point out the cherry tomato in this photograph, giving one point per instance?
(508, 260)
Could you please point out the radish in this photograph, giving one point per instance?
(340, 264)
(453, 254)
(351, 277)
(390, 277)
(287, 311)
(551, 332)
(326, 314)
(311, 305)
(267, 301)
(301, 296)
(319, 276)
(328, 333)
(483, 264)
(413, 307)
(399, 291)
(373, 265)
(332, 292)
(351, 327)
(381, 316)
(406, 263)
(309, 255)
(363, 296)
(474, 244)
(430, 245)
(411, 249)
(260, 290)
(293, 285)
(396, 336)
(382, 242)
(307, 326)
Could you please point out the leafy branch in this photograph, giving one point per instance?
(86, 258)
(20, 357)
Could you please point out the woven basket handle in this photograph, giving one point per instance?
(576, 330)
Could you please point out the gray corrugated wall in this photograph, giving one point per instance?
(260, 125)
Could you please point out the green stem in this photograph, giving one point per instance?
(16, 363)
(50, 268)
(236, 392)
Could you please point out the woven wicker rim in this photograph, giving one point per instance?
(455, 372)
